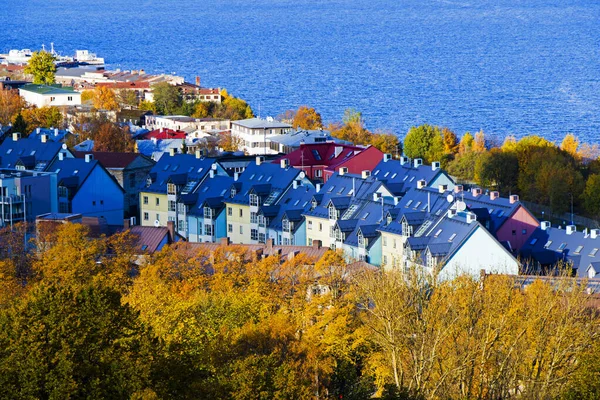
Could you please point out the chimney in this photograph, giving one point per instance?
(171, 228)
(476, 191)
(594, 233)
(55, 131)
(514, 198)
(38, 130)
(435, 165)
(126, 223)
(236, 176)
(442, 188)
(172, 152)
(317, 244)
(417, 162)
(197, 81)
(571, 229)
(61, 156)
(225, 241)
(458, 188)
(162, 130)
(16, 136)
(212, 173)
(387, 157)
(284, 163)
(317, 187)
(396, 200)
(154, 140)
(451, 213)
(471, 217)
(269, 244)
(343, 170)
(213, 166)
(403, 160)
(295, 184)
(44, 138)
(366, 174)
(260, 160)
(89, 158)
(545, 225)
(421, 183)
(198, 154)
(586, 233)
(494, 195)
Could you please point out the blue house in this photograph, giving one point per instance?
(31, 153)
(86, 188)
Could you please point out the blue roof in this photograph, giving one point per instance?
(499, 209)
(211, 193)
(267, 180)
(401, 177)
(54, 135)
(181, 169)
(72, 172)
(552, 245)
(367, 218)
(11, 151)
(292, 204)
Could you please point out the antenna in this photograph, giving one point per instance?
(428, 202)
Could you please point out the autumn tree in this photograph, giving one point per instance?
(498, 170)
(387, 142)
(127, 98)
(11, 105)
(229, 142)
(105, 98)
(45, 117)
(424, 142)
(113, 138)
(352, 128)
(307, 118)
(591, 196)
(570, 144)
(466, 143)
(41, 66)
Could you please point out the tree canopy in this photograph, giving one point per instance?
(41, 66)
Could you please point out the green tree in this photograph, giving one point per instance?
(167, 98)
(62, 342)
(424, 141)
(19, 124)
(497, 169)
(591, 196)
(41, 66)
(127, 98)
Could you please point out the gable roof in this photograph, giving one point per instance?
(179, 168)
(11, 151)
(402, 176)
(325, 154)
(149, 238)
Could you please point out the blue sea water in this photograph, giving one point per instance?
(505, 66)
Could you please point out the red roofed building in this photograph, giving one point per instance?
(164, 133)
(320, 160)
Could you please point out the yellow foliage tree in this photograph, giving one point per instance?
(105, 99)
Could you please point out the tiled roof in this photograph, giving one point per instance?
(311, 251)
(149, 237)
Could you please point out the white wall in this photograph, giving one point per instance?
(41, 100)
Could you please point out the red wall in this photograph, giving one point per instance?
(521, 219)
(365, 160)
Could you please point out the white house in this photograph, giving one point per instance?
(255, 134)
(44, 95)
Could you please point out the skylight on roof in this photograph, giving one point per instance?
(223, 192)
(500, 213)
(252, 176)
(376, 172)
(331, 189)
(424, 207)
(32, 153)
(8, 151)
(593, 252)
(200, 169)
(269, 178)
(562, 246)
(409, 203)
(365, 215)
(412, 178)
(190, 169)
(418, 204)
(260, 177)
(386, 174)
(438, 233)
(451, 238)
(405, 178)
(350, 211)
(548, 244)
(75, 172)
(296, 202)
(578, 250)
(533, 241)
(394, 175)
(166, 167)
(341, 190)
(316, 155)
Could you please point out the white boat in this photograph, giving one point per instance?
(85, 57)
(17, 56)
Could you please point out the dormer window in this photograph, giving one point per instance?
(171, 188)
(254, 200)
(233, 192)
(388, 220)
(286, 225)
(208, 212)
(333, 213)
(406, 228)
(362, 241)
(313, 205)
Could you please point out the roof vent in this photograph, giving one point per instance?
(514, 198)
(396, 200)
(494, 195)
(198, 154)
(236, 176)
(318, 187)
(435, 165)
(16, 136)
(366, 174)
(376, 196)
(451, 213)
(89, 158)
(343, 170)
(403, 160)
(44, 138)
(417, 162)
(458, 188)
(476, 191)
(61, 156)
(594, 233)
(295, 184)
(571, 229)
(442, 188)
(387, 157)
(172, 152)
(421, 183)
(545, 225)
(471, 217)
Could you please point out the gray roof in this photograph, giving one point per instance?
(258, 123)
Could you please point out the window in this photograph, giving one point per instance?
(533, 241)
(93, 202)
(241, 230)
(451, 238)
(229, 211)
(254, 200)
(438, 233)
(320, 227)
(145, 199)
(524, 232)
(331, 189)
(146, 217)
(318, 173)
(333, 213)
(514, 232)
(261, 238)
(310, 242)
(310, 225)
(171, 205)
(316, 155)
(394, 243)
(233, 192)
(253, 218)
(158, 217)
(208, 229)
(593, 252)
(384, 241)
(500, 213)
(365, 216)
(171, 188)
(578, 250)
(208, 212)
(157, 201)
(253, 234)
(69, 98)
(548, 243)
(384, 260)
(241, 212)
(562, 246)
(229, 228)
(409, 203)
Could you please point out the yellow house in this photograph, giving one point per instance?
(318, 229)
(392, 245)
(153, 209)
(238, 222)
